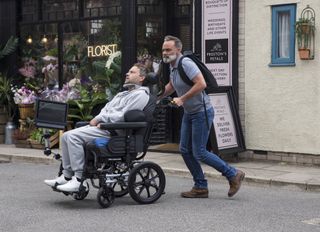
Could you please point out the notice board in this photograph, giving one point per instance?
(226, 134)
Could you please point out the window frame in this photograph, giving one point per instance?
(275, 60)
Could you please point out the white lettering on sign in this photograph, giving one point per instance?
(102, 50)
(223, 121)
(217, 34)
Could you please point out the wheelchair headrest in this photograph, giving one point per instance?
(151, 79)
(135, 116)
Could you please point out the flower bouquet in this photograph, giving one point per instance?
(25, 99)
(51, 74)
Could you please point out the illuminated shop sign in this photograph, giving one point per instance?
(102, 50)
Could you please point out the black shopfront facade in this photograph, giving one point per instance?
(134, 27)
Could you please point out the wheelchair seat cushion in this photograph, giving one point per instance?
(101, 142)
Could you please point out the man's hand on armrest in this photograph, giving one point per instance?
(93, 122)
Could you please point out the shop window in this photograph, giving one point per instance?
(183, 8)
(149, 7)
(283, 35)
(152, 29)
(95, 8)
(91, 55)
(149, 32)
(29, 10)
(60, 9)
(96, 26)
(38, 49)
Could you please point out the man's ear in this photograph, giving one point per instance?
(142, 79)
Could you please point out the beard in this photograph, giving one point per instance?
(169, 59)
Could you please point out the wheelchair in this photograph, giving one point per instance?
(115, 167)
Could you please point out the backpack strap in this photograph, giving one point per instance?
(183, 74)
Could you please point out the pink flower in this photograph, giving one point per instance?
(49, 68)
(28, 70)
(23, 95)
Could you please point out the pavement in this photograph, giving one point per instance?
(266, 173)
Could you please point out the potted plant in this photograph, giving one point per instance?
(5, 90)
(304, 31)
(6, 97)
(81, 109)
(9, 48)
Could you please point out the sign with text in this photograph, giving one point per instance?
(223, 122)
(217, 39)
(102, 50)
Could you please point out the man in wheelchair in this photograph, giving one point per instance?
(75, 143)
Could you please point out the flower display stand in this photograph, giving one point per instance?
(26, 111)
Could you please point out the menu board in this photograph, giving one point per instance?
(217, 39)
(224, 124)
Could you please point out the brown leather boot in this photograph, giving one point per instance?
(196, 193)
(235, 183)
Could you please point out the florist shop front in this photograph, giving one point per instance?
(78, 51)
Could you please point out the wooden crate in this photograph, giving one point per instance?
(54, 140)
(22, 143)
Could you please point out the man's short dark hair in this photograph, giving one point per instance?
(177, 41)
(142, 68)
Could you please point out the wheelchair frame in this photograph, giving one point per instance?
(121, 173)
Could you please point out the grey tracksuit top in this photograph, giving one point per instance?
(114, 110)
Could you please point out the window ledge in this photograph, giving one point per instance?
(282, 65)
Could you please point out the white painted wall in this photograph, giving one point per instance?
(282, 104)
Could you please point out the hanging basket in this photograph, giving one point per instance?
(26, 111)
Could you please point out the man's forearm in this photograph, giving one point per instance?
(168, 91)
(196, 89)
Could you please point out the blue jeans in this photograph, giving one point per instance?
(193, 142)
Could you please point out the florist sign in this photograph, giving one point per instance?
(102, 50)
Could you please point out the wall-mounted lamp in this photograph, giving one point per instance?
(29, 40)
(44, 39)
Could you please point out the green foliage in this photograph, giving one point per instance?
(75, 48)
(81, 109)
(10, 47)
(6, 96)
(304, 30)
(37, 134)
(109, 77)
(53, 52)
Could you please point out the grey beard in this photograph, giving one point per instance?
(169, 59)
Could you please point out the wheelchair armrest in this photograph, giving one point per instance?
(81, 124)
(123, 125)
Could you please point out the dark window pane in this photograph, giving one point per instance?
(29, 10)
(60, 9)
(96, 8)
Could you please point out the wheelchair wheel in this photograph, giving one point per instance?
(82, 194)
(105, 197)
(146, 182)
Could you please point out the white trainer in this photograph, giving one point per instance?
(57, 181)
(71, 186)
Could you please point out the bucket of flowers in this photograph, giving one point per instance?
(25, 99)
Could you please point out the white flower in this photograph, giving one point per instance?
(111, 58)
